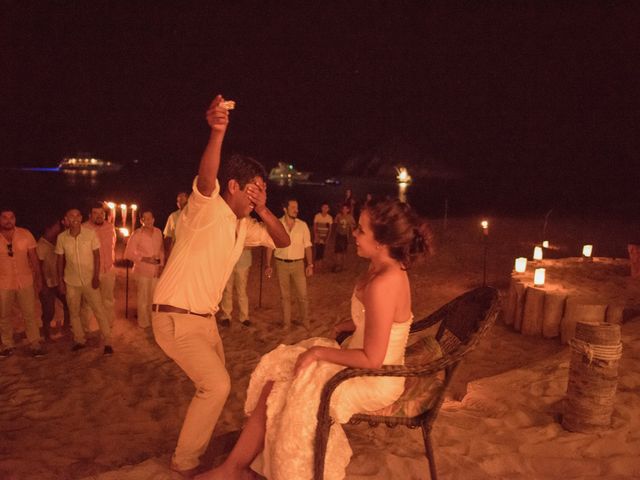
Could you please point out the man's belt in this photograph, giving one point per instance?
(171, 309)
(285, 260)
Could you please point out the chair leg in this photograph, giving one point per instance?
(428, 448)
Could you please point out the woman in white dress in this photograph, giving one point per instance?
(284, 392)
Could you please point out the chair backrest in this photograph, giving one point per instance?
(463, 319)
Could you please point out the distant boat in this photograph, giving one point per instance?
(285, 173)
(87, 164)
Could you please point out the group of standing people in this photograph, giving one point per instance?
(73, 262)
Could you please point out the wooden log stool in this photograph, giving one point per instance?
(593, 377)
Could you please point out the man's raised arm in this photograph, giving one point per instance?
(218, 119)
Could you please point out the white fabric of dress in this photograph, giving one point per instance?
(293, 403)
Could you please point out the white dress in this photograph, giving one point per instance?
(293, 403)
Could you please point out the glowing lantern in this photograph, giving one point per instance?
(587, 250)
(124, 231)
(521, 264)
(537, 253)
(538, 277)
(485, 227)
(545, 244)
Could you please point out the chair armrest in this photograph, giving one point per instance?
(388, 371)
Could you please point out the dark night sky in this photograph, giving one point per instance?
(547, 91)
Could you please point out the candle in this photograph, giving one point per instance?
(521, 264)
(545, 244)
(537, 253)
(538, 277)
(485, 227)
(112, 210)
(134, 209)
(587, 250)
(123, 211)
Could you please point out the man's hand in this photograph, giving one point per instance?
(217, 116)
(95, 282)
(308, 271)
(268, 271)
(257, 193)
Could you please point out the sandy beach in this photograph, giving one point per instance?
(85, 416)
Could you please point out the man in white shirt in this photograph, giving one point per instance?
(78, 250)
(290, 264)
(146, 251)
(212, 232)
(172, 222)
(106, 233)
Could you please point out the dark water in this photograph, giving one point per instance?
(39, 197)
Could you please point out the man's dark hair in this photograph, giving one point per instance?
(6, 208)
(285, 202)
(242, 169)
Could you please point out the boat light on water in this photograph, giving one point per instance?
(284, 173)
(87, 165)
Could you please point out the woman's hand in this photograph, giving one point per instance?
(305, 359)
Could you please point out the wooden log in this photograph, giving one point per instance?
(615, 314)
(520, 296)
(593, 377)
(577, 310)
(512, 300)
(552, 314)
(634, 259)
(532, 314)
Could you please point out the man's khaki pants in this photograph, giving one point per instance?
(194, 344)
(237, 281)
(26, 298)
(288, 273)
(75, 296)
(145, 287)
(107, 285)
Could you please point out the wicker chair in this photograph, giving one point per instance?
(463, 321)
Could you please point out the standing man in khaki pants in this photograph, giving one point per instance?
(210, 236)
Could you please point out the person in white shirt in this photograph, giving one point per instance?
(172, 222)
(238, 282)
(290, 262)
(78, 250)
(146, 250)
(45, 249)
(106, 233)
(322, 222)
(212, 232)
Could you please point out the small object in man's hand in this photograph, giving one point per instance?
(228, 104)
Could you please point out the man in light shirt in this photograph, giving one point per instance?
(20, 280)
(172, 223)
(212, 232)
(238, 282)
(78, 250)
(146, 250)
(290, 264)
(106, 233)
(45, 249)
